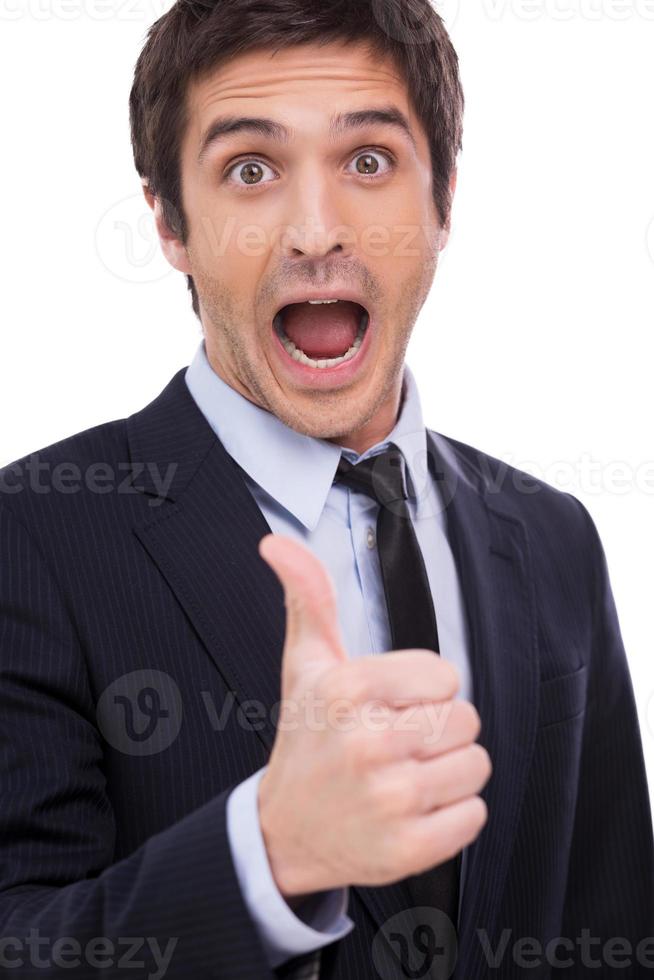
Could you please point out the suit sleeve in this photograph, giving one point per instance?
(285, 934)
(173, 907)
(610, 889)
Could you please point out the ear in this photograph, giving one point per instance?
(445, 232)
(171, 246)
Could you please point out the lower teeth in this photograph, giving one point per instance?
(301, 357)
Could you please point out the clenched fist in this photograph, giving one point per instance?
(368, 796)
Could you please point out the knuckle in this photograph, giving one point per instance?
(450, 673)
(475, 762)
(471, 718)
(484, 761)
(480, 811)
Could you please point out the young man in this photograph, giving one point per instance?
(232, 753)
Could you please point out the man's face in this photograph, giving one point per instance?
(317, 214)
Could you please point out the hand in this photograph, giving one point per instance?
(372, 796)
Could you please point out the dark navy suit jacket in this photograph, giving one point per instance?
(140, 642)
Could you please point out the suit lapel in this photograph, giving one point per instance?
(204, 541)
(204, 536)
(493, 560)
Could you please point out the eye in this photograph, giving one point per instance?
(250, 170)
(367, 165)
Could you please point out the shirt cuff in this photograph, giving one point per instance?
(319, 920)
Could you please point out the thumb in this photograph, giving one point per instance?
(313, 638)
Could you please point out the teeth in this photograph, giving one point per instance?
(301, 357)
(316, 302)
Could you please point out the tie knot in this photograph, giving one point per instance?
(382, 477)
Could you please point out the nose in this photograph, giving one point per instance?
(315, 228)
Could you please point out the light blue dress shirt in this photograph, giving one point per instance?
(299, 499)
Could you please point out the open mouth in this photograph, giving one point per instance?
(322, 334)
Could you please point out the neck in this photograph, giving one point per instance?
(379, 427)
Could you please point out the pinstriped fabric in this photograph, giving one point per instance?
(105, 831)
(582, 854)
(215, 489)
(63, 818)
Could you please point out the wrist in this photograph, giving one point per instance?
(293, 892)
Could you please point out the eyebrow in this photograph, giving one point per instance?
(225, 127)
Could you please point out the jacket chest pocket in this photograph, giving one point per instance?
(563, 697)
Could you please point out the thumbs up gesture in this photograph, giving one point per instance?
(384, 784)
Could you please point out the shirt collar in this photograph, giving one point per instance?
(258, 441)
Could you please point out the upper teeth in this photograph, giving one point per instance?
(315, 301)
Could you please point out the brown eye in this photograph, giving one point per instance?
(367, 164)
(250, 172)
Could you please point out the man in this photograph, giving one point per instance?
(194, 780)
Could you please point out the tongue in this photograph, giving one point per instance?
(324, 330)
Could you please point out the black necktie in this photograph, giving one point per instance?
(411, 616)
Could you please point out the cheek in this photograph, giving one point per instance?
(404, 256)
(400, 237)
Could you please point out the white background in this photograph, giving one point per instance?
(536, 342)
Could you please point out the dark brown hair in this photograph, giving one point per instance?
(196, 36)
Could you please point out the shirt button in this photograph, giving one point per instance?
(370, 537)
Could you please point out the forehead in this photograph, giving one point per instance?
(301, 86)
